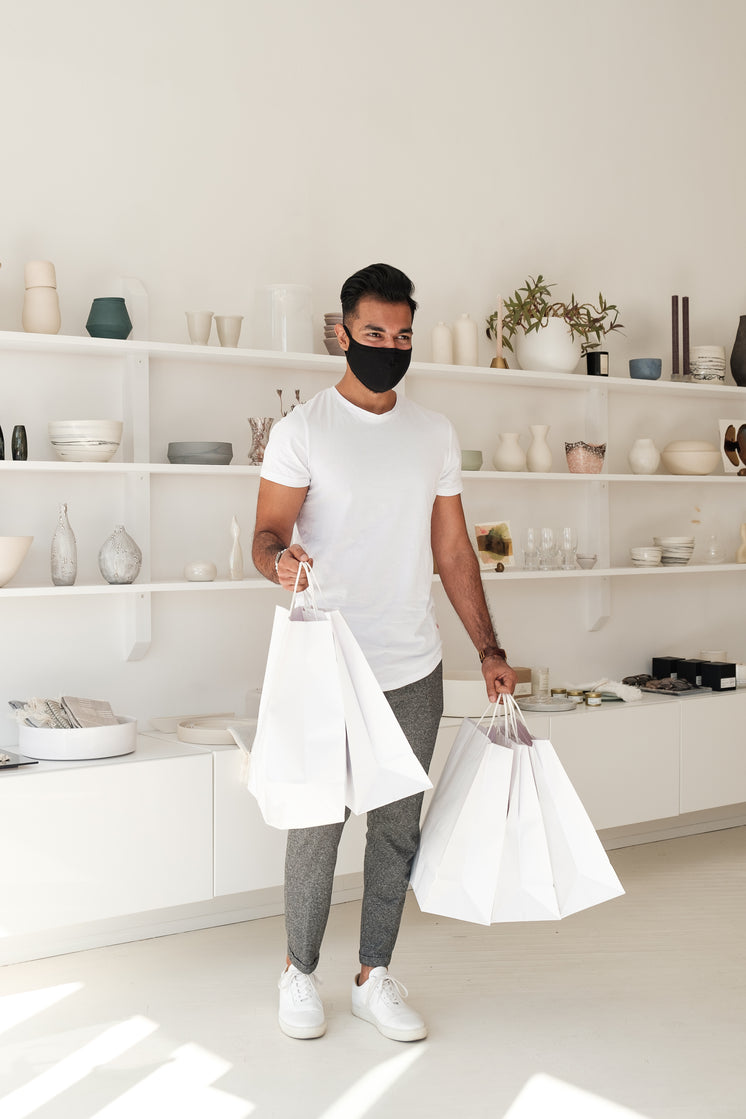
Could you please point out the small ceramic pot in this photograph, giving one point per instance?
(200, 571)
(645, 368)
(108, 318)
(585, 458)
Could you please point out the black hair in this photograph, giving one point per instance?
(382, 281)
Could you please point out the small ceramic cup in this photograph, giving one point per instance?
(471, 460)
(229, 329)
(645, 368)
(707, 363)
(199, 325)
(200, 571)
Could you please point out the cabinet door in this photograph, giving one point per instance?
(713, 758)
(93, 842)
(623, 761)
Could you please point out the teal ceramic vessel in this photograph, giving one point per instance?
(645, 368)
(109, 318)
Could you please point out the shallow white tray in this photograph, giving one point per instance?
(211, 730)
(52, 744)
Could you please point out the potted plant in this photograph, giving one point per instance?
(551, 335)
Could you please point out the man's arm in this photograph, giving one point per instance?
(458, 567)
(277, 510)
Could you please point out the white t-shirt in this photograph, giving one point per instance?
(372, 481)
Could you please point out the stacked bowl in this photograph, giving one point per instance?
(330, 338)
(200, 453)
(646, 556)
(85, 440)
(676, 551)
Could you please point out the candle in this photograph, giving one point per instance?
(499, 328)
(674, 337)
(685, 371)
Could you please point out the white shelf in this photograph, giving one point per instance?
(556, 476)
(248, 584)
(43, 466)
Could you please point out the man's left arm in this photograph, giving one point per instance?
(458, 568)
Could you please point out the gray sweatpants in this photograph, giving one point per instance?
(391, 842)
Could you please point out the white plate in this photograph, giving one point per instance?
(212, 731)
(168, 724)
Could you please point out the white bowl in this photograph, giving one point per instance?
(586, 562)
(690, 456)
(85, 440)
(55, 744)
(13, 551)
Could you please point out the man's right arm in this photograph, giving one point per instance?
(277, 510)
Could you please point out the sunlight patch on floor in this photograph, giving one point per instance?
(369, 1089)
(19, 1008)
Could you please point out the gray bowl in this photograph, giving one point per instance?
(200, 453)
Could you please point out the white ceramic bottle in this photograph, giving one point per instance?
(538, 456)
(236, 557)
(119, 559)
(41, 305)
(442, 344)
(64, 558)
(465, 341)
(643, 456)
(509, 454)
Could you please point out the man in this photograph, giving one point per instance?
(370, 483)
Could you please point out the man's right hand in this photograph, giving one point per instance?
(287, 568)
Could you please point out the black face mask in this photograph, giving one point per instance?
(379, 368)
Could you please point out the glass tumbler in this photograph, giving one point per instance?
(547, 550)
(530, 542)
(568, 545)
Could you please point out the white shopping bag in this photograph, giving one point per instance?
(297, 771)
(381, 766)
(525, 884)
(583, 875)
(456, 867)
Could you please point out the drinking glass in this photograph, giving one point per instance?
(530, 549)
(568, 544)
(547, 550)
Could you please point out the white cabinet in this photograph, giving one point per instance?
(88, 841)
(713, 755)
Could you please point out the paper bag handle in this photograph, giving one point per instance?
(311, 589)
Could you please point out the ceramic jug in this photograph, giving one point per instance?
(538, 456)
(64, 559)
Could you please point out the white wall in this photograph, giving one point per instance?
(210, 148)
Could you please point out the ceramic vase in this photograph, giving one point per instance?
(19, 444)
(741, 553)
(585, 458)
(260, 428)
(509, 455)
(738, 354)
(442, 344)
(644, 457)
(41, 305)
(236, 558)
(550, 349)
(538, 455)
(465, 341)
(64, 559)
(109, 318)
(119, 559)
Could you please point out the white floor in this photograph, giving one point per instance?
(641, 1002)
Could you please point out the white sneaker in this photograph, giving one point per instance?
(380, 1000)
(301, 1009)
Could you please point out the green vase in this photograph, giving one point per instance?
(108, 318)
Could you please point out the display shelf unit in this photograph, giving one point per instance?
(131, 362)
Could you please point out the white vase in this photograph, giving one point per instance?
(236, 559)
(442, 340)
(538, 456)
(41, 311)
(741, 553)
(643, 456)
(465, 341)
(550, 349)
(509, 454)
(119, 559)
(64, 552)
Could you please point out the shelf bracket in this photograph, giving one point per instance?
(597, 603)
(137, 626)
(137, 610)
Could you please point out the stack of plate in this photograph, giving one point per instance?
(675, 550)
(330, 338)
(200, 453)
(646, 556)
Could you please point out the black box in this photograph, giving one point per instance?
(690, 669)
(664, 668)
(719, 675)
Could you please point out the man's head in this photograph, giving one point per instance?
(381, 282)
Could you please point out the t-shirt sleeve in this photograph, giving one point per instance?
(286, 454)
(450, 479)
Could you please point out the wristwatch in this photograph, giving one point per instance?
(492, 651)
(278, 557)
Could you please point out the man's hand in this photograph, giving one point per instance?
(287, 568)
(498, 676)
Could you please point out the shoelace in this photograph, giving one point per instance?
(304, 987)
(389, 989)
